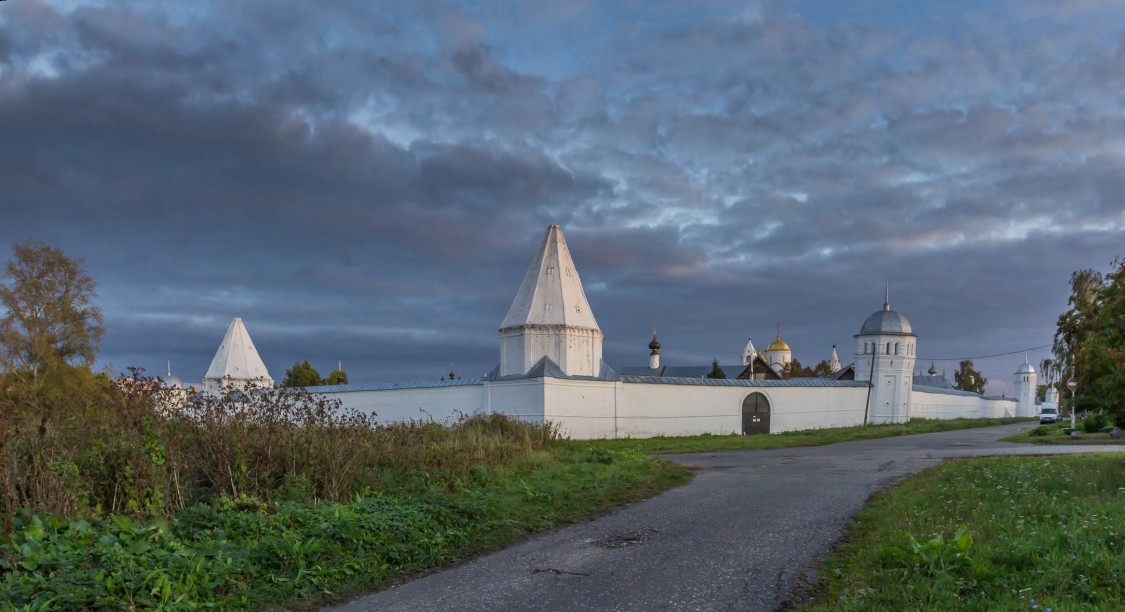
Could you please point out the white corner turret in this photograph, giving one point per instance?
(884, 356)
(236, 363)
(1025, 389)
(551, 317)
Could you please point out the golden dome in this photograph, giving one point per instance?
(779, 345)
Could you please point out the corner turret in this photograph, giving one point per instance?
(550, 317)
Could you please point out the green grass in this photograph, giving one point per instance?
(809, 437)
(1057, 434)
(245, 553)
(1038, 533)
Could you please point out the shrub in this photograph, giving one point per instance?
(132, 446)
(1094, 422)
(1042, 430)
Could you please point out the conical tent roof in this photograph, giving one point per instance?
(237, 358)
(551, 292)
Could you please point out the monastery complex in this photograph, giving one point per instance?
(551, 369)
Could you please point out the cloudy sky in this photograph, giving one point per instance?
(367, 182)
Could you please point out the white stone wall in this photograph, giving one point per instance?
(590, 409)
(937, 405)
(595, 409)
(440, 404)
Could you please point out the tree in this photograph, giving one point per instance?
(823, 369)
(302, 374)
(1075, 325)
(50, 316)
(337, 376)
(716, 371)
(1094, 333)
(968, 379)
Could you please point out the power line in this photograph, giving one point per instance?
(1026, 350)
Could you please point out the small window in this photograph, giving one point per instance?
(896, 348)
(888, 348)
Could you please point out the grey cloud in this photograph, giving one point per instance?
(369, 185)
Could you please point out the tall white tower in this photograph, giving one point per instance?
(551, 317)
(236, 363)
(884, 356)
(1025, 389)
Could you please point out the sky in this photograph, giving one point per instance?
(368, 182)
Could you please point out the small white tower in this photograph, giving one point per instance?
(884, 356)
(1025, 389)
(834, 362)
(749, 352)
(550, 317)
(654, 356)
(236, 363)
(778, 354)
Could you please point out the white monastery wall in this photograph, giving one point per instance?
(439, 404)
(938, 405)
(601, 409)
(583, 409)
(591, 409)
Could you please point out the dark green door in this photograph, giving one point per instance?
(755, 414)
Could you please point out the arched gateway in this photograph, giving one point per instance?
(755, 414)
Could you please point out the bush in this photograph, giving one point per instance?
(132, 446)
(1042, 430)
(1094, 422)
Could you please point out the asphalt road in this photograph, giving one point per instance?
(742, 535)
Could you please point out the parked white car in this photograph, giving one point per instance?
(1048, 415)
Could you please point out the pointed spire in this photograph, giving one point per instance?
(551, 292)
(834, 363)
(749, 352)
(887, 299)
(779, 330)
(169, 367)
(237, 359)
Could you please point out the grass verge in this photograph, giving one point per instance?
(808, 437)
(988, 534)
(240, 553)
(1056, 434)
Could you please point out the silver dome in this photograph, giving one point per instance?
(172, 382)
(1025, 368)
(886, 322)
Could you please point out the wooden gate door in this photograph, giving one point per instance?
(755, 414)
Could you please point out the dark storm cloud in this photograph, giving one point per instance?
(369, 185)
